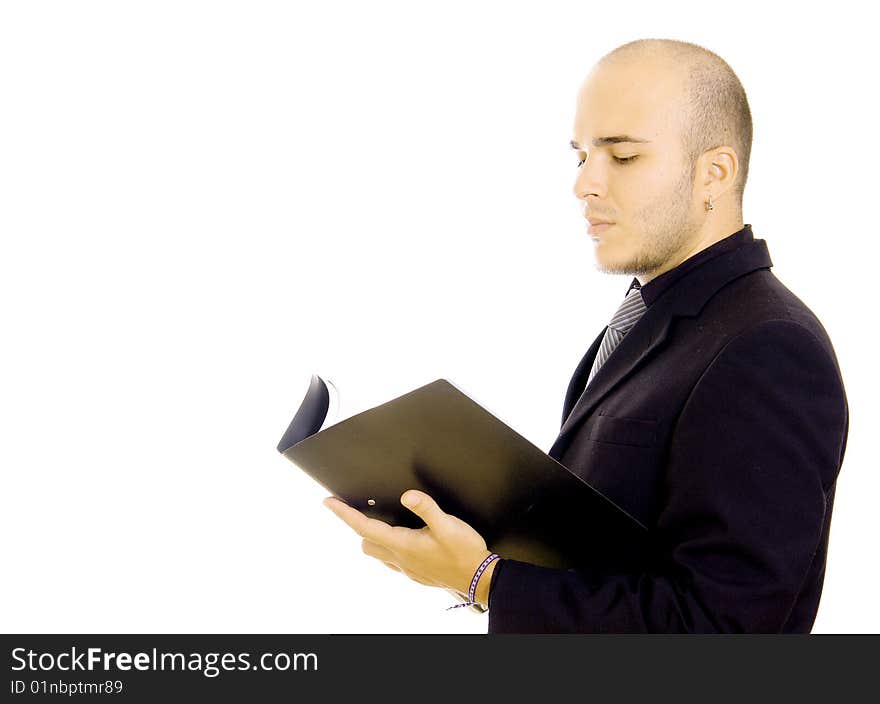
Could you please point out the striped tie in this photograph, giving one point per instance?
(626, 316)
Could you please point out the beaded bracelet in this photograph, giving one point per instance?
(472, 591)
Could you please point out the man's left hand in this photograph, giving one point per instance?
(444, 553)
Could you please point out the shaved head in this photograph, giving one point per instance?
(716, 109)
(662, 132)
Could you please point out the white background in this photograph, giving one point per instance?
(201, 204)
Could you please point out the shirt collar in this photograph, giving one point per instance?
(652, 290)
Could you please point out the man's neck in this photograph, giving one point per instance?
(703, 240)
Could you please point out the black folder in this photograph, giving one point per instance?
(525, 504)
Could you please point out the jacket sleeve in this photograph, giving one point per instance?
(753, 456)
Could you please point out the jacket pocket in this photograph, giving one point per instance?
(619, 430)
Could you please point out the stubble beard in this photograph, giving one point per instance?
(666, 226)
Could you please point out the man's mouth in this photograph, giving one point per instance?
(599, 227)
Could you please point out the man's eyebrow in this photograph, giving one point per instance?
(616, 139)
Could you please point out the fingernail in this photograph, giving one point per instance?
(410, 500)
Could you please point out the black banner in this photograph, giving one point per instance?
(406, 667)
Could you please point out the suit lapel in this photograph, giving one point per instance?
(686, 298)
(579, 378)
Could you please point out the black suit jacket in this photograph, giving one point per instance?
(720, 422)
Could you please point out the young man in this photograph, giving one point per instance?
(711, 408)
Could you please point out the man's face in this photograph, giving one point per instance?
(645, 189)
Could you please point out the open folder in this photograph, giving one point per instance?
(525, 504)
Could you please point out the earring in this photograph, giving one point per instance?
(709, 205)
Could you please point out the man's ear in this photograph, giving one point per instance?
(720, 167)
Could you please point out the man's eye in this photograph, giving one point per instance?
(618, 159)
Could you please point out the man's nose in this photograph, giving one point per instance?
(591, 180)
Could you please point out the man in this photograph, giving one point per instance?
(711, 408)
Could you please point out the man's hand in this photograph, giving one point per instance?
(444, 553)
